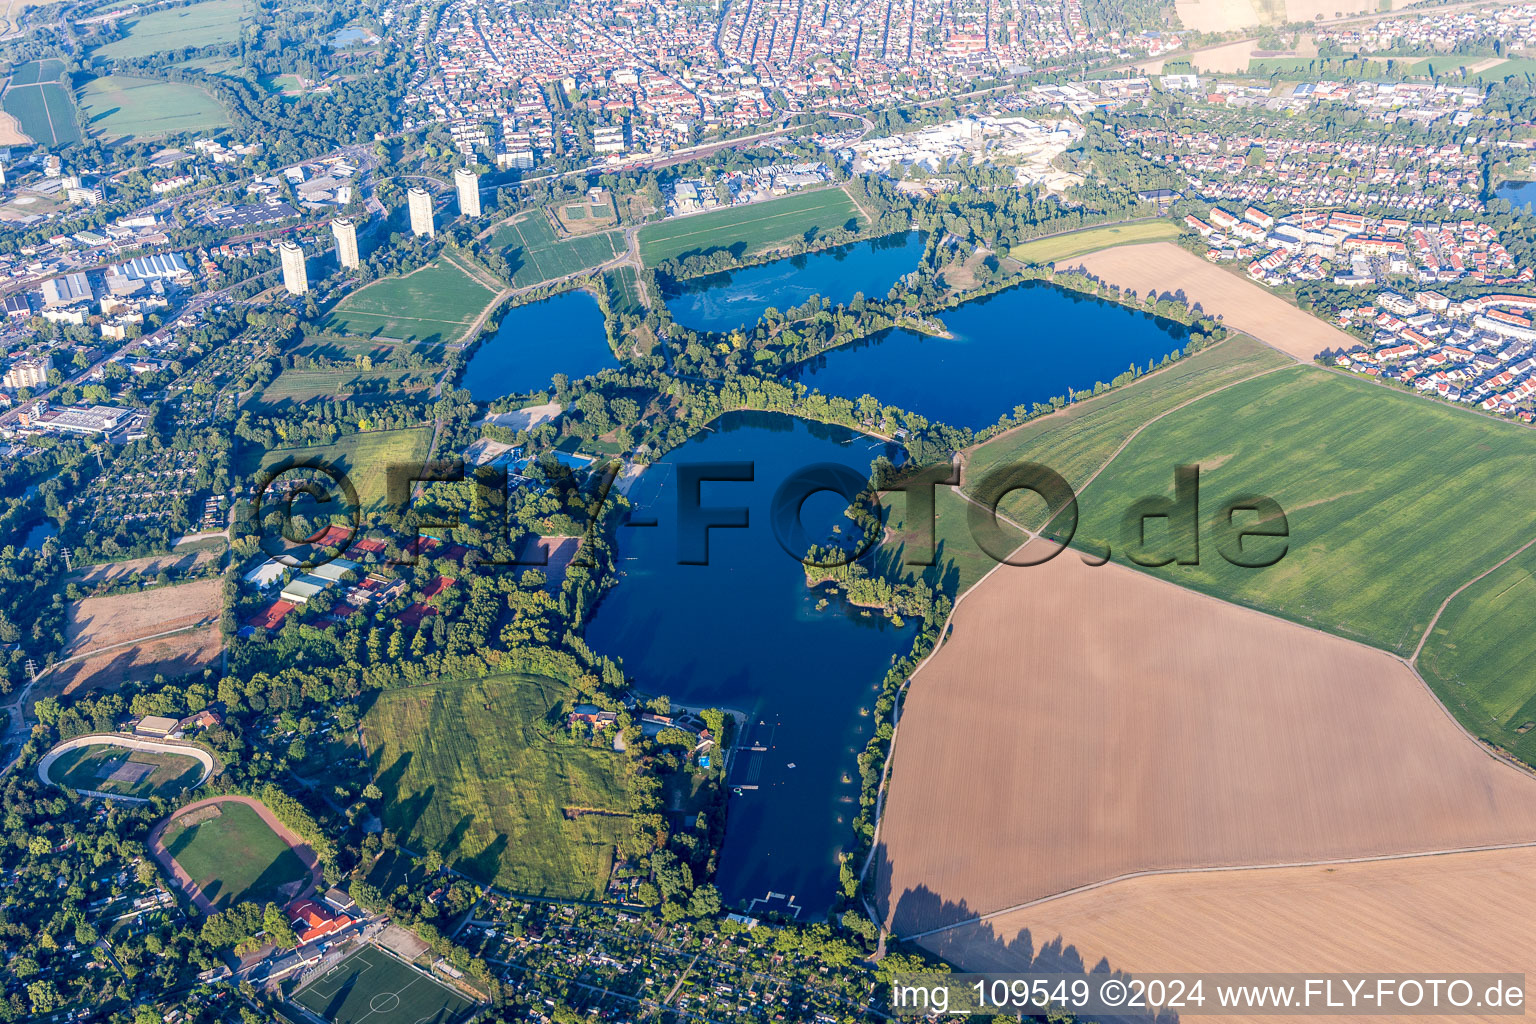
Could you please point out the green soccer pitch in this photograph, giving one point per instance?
(371, 987)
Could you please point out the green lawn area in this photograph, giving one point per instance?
(234, 857)
(296, 386)
(1481, 658)
(371, 985)
(435, 305)
(474, 769)
(1080, 243)
(44, 110)
(364, 458)
(139, 773)
(203, 24)
(536, 255)
(1393, 500)
(749, 229)
(119, 106)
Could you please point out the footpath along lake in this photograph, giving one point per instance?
(1024, 345)
(744, 632)
(720, 302)
(534, 342)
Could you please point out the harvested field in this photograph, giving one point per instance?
(1464, 912)
(1130, 725)
(110, 640)
(176, 655)
(97, 623)
(182, 561)
(1165, 268)
(1216, 15)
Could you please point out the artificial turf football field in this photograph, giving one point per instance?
(371, 987)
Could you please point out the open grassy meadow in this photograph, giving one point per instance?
(537, 255)
(107, 768)
(364, 457)
(749, 229)
(1078, 243)
(370, 985)
(122, 106)
(477, 770)
(296, 386)
(436, 305)
(203, 24)
(1392, 500)
(39, 100)
(233, 856)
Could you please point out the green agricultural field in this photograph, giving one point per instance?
(476, 770)
(122, 106)
(1481, 657)
(749, 229)
(1080, 243)
(36, 71)
(203, 24)
(364, 458)
(624, 291)
(536, 255)
(44, 110)
(1393, 500)
(107, 768)
(372, 986)
(234, 857)
(1077, 441)
(959, 562)
(1514, 67)
(298, 386)
(436, 305)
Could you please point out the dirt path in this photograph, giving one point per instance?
(194, 893)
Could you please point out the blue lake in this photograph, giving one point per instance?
(1519, 193)
(720, 302)
(39, 534)
(744, 632)
(534, 342)
(1027, 344)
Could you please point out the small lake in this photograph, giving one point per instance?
(39, 534)
(1521, 194)
(744, 632)
(352, 37)
(720, 302)
(1024, 345)
(563, 334)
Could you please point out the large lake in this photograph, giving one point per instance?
(534, 342)
(720, 302)
(1027, 344)
(744, 632)
(1519, 193)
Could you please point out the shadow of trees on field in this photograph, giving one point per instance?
(979, 947)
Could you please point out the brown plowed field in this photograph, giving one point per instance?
(1084, 723)
(1468, 912)
(1165, 268)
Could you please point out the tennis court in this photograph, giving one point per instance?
(372, 987)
